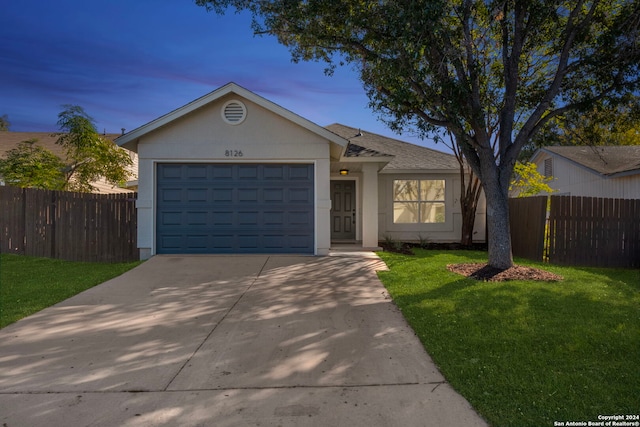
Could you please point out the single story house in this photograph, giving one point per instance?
(232, 172)
(10, 140)
(591, 171)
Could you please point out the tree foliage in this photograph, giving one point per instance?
(88, 157)
(597, 126)
(527, 181)
(33, 166)
(4, 123)
(492, 72)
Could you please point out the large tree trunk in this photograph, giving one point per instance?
(469, 196)
(495, 183)
(498, 232)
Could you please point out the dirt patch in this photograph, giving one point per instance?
(487, 273)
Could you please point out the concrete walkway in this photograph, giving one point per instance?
(226, 341)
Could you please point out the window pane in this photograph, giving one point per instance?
(432, 190)
(432, 212)
(404, 189)
(405, 213)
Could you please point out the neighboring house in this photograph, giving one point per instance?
(10, 140)
(232, 172)
(592, 171)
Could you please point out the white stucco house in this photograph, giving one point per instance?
(591, 171)
(232, 172)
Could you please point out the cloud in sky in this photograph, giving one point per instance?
(128, 62)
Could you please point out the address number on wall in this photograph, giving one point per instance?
(233, 153)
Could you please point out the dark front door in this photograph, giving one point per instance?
(343, 210)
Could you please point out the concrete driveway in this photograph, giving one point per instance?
(226, 341)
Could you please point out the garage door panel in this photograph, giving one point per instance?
(299, 241)
(197, 241)
(170, 172)
(197, 218)
(273, 195)
(300, 172)
(196, 172)
(301, 219)
(248, 241)
(241, 208)
(273, 218)
(248, 172)
(249, 218)
(274, 172)
(171, 195)
(222, 195)
(168, 218)
(223, 242)
(248, 195)
(222, 172)
(169, 241)
(300, 195)
(221, 218)
(195, 195)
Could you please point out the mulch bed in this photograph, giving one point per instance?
(477, 271)
(490, 274)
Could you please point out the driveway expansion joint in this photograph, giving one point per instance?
(222, 389)
(222, 319)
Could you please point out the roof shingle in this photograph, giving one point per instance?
(403, 155)
(605, 160)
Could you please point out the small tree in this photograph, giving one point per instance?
(33, 166)
(470, 191)
(4, 123)
(527, 181)
(89, 156)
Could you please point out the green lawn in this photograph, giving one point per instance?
(29, 284)
(526, 353)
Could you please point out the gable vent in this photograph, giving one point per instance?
(234, 112)
(548, 167)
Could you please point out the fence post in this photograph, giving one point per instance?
(52, 221)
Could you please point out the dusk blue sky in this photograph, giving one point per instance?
(129, 62)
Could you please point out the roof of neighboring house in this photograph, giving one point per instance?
(10, 140)
(605, 160)
(400, 155)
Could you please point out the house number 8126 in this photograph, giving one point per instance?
(233, 153)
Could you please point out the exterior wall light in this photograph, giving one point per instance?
(344, 171)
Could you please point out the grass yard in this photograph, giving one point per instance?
(29, 284)
(526, 353)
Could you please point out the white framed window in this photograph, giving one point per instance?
(419, 201)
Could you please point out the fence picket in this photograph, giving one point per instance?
(71, 226)
(581, 231)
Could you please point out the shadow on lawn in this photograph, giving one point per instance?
(548, 351)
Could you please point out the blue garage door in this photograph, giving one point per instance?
(235, 208)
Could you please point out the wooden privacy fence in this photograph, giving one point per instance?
(580, 231)
(70, 226)
(527, 216)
